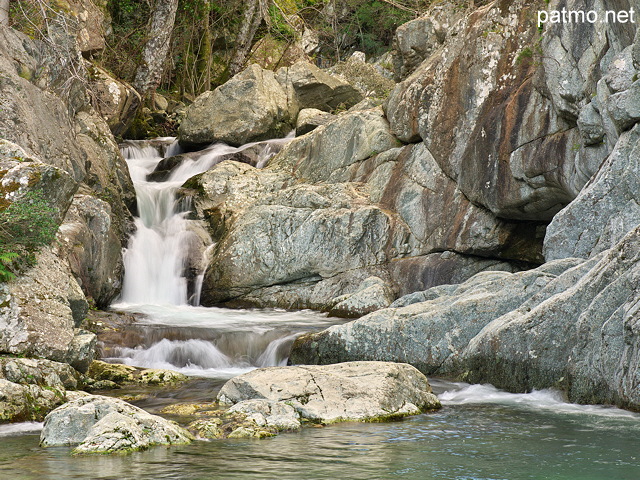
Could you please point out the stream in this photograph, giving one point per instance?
(480, 433)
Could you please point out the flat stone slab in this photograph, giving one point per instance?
(352, 391)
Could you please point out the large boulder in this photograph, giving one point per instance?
(605, 210)
(30, 388)
(99, 424)
(39, 312)
(39, 371)
(349, 139)
(504, 129)
(361, 391)
(116, 101)
(570, 324)
(315, 88)
(300, 232)
(89, 239)
(20, 403)
(228, 114)
(431, 329)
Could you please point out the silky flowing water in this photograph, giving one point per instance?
(480, 433)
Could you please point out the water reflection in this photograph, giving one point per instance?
(485, 439)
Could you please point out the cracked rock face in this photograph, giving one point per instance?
(354, 391)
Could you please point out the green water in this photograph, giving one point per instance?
(479, 434)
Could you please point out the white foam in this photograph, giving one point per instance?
(550, 400)
(20, 428)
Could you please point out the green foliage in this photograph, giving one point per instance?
(279, 27)
(25, 224)
(29, 221)
(126, 42)
(6, 259)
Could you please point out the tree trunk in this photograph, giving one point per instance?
(203, 64)
(4, 12)
(149, 72)
(253, 15)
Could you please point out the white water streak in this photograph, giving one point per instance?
(550, 400)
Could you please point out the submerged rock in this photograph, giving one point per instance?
(356, 391)
(248, 419)
(99, 424)
(125, 374)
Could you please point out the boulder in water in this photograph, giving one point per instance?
(98, 424)
(354, 391)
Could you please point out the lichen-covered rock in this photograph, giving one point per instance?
(115, 372)
(206, 428)
(311, 118)
(157, 376)
(39, 311)
(315, 88)
(19, 403)
(126, 374)
(116, 101)
(373, 294)
(38, 371)
(265, 413)
(228, 114)
(356, 391)
(22, 175)
(605, 210)
(99, 424)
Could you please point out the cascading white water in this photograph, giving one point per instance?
(201, 341)
(156, 257)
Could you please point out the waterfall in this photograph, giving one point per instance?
(171, 330)
(156, 257)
